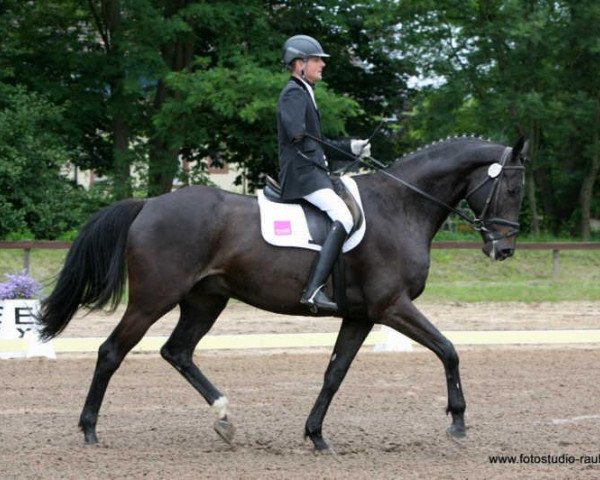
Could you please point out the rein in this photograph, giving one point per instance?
(479, 224)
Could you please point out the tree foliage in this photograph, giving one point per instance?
(145, 84)
(523, 66)
(35, 199)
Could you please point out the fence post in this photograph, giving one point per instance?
(555, 264)
(26, 260)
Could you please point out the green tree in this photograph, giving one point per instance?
(108, 64)
(216, 105)
(223, 105)
(34, 198)
(523, 66)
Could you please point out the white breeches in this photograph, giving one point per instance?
(327, 200)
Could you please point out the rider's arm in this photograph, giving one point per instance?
(292, 112)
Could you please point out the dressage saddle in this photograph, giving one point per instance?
(318, 222)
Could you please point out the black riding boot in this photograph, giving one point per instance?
(313, 295)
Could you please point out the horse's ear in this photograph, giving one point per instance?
(520, 148)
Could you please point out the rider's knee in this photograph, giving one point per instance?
(345, 218)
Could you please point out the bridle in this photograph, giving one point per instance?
(479, 223)
(495, 172)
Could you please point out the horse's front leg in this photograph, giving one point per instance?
(350, 338)
(404, 317)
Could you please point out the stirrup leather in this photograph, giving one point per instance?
(311, 299)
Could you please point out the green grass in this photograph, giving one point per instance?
(459, 275)
(469, 276)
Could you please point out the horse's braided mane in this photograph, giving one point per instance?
(436, 143)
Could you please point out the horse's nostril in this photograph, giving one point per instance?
(505, 253)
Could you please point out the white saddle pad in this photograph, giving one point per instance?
(284, 224)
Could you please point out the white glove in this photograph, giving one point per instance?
(360, 148)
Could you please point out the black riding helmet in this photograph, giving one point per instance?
(301, 46)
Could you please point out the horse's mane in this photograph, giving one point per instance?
(420, 151)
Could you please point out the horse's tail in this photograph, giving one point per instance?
(94, 270)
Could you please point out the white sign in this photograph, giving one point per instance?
(395, 342)
(17, 327)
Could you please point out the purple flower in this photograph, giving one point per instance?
(19, 287)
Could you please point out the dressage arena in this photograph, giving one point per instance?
(537, 404)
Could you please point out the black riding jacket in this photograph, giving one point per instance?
(302, 163)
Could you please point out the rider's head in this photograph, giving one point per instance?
(303, 56)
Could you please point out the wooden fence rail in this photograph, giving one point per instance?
(28, 245)
(556, 247)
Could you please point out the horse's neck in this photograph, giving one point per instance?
(443, 180)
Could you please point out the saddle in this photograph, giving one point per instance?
(318, 221)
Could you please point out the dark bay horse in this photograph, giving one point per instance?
(199, 246)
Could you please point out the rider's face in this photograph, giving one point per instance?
(313, 69)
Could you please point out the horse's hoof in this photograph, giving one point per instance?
(225, 429)
(325, 452)
(91, 438)
(457, 431)
(320, 446)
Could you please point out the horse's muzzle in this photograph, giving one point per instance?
(498, 250)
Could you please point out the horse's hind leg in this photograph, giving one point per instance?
(198, 314)
(130, 330)
(404, 317)
(350, 338)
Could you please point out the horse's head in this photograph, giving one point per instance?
(495, 193)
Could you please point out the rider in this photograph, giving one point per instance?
(303, 166)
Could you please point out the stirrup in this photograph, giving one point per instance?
(314, 303)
